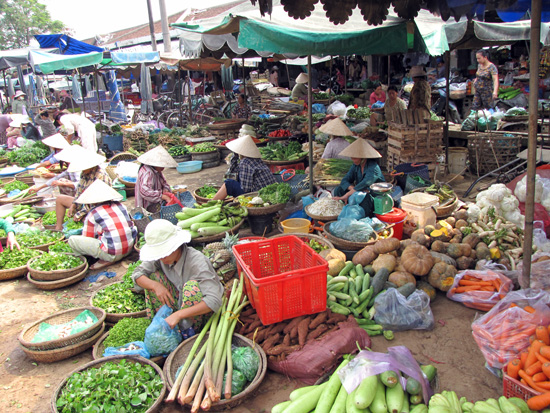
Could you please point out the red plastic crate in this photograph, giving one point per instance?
(514, 388)
(284, 278)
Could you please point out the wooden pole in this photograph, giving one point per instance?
(536, 6)
(287, 75)
(310, 129)
(5, 89)
(244, 80)
(345, 75)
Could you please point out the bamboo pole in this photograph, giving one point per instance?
(447, 93)
(536, 6)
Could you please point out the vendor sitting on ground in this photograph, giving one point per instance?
(87, 163)
(151, 185)
(299, 91)
(378, 95)
(337, 130)
(363, 173)
(14, 132)
(252, 173)
(242, 110)
(57, 142)
(392, 104)
(108, 233)
(177, 275)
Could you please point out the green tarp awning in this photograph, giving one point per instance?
(49, 63)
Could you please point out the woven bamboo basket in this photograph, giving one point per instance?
(216, 237)
(323, 218)
(447, 210)
(110, 169)
(179, 355)
(202, 200)
(123, 156)
(307, 237)
(303, 158)
(113, 318)
(271, 209)
(99, 349)
(51, 356)
(345, 244)
(25, 177)
(98, 363)
(55, 275)
(490, 151)
(11, 273)
(45, 247)
(54, 285)
(61, 318)
(27, 201)
(5, 181)
(226, 124)
(127, 183)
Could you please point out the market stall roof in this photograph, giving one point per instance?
(14, 57)
(475, 34)
(129, 58)
(49, 63)
(315, 35)
(65, 44)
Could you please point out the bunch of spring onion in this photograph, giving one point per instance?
(199, 382)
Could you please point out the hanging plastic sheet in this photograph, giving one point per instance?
(22, 84)
(88, 85)
(32, 97)
(75, 88)
(117, 111)
(146, 90)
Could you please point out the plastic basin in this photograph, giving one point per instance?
(296, 225)
(189, 167)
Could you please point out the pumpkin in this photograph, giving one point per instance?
(400, 278)
(365, 256)
(384, 246)
(457, 233)
(463, 263)
(442, 276)
(404, 244)
(459, 250)
(472, 239)
(335, 265)
(461, 223)
(417, 259)
(461, 214)
(333, 253)
(440, 235)
(386, 261)
(439, 246)
(438, 257)
(455, 240)
(427, 288)
(420, 237)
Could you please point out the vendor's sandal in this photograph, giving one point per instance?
(101, 264)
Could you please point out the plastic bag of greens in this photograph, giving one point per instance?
(352, 211)
(160, 339)
(238, 382)
(246, 361)
(135, 348)
(351, 230)
(48, 332)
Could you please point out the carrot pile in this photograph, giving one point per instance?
(532, 367)
(479, 292)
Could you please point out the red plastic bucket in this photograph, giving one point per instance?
(396, 216)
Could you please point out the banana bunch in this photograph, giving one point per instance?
(448, 402)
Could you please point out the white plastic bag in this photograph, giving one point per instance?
(129, 169)
(337, 108)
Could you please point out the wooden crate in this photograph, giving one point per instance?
(395, 158)
(416, 139)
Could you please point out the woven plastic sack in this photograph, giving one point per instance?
(160, 339)
(503, 333)
(122, 350)
(480, 300)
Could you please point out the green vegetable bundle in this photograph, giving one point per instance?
(275, 193)
(15, 185)
(49, 218)
(178, 150)
(28, 154)
(279, 152)
(119, 299)
(207, 191)
(55, 261)
(34, 239)
(116, 386)
(71, 224)
(202, 147)
(126, 331)
(345, 98)
(359, 113)
(61, 247)
(16, 258)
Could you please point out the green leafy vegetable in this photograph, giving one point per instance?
(203, 147)
(28, 154)
(275, 193)
(207, 191)
(15, 185)
(71, 224)
(16, 258)
(55, 261)
(34, 239)
(359, 113)
(126, 331)
(60, 247)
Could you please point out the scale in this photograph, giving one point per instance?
(383, 202)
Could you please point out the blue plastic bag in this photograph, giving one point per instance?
(352, 211)
(140, 351)
(318, 108)
(356, 198)
(160, 339)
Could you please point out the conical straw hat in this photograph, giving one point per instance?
(56, 141)
(360, 149)
(158, 157)
(79, 158)
(244, 146)
(302, 78)
(97, 193)
(417, 71)
(336, 127)
(68, 153)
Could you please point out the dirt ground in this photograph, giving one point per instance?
(27, 386)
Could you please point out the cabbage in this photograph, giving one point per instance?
(510, 203)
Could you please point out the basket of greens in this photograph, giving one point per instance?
(61, 246)
(205, 193)
(49, 220)
(53, 266)
(114, 384)
(55, 284)
(13, 263)
(39, 240)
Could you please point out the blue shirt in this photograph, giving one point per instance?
(51, 157)
(362, 180)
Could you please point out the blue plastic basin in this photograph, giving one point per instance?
(189, 167)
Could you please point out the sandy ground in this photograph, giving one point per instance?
(27, 386)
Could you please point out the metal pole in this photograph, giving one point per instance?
(151, 26)
(287, 75)
(389, 64)
(83, 98)
(72, 99)
(98, 104)
(329, 82)
(310, 129)
(536, 6)
(166, 40)
(244, 80)
(447, 93)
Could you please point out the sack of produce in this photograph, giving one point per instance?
(135, 348)
(479, 289)
(352, 212)
(48, 332)
(246, 360)
(238, 382)
(504, 332)
(160, 339)
(396, 312)
(352, 230)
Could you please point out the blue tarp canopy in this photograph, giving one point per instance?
(65, 44)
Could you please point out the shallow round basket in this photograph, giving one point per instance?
(123, 156)
(128, 184)
(303, 158)
(516, 118)
(45, 247)
(307, 237)
(54, 285)
(99, 348)
(50, 227)
(61, 318)
(179, 355)
(447, 210)
(200, 199)
(25, 177)
(113, 318)
(216, 237)
(5, 181)
(27, 201)
(226, 124)
(12, 273)
(55, 275)
(345, 244)
(51, 356)
(136, 248)
(98, 363)
(271, 209)
(323, 218)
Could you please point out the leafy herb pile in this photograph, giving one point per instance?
(71, 224)
(195, 131)
(28, 154)
(118, 298)
(60, 247)
(275, 193)
(16, 258)
(122, 386)
(203, 147)
(49, 218)
(15, 185)
(345, 98)
(207, 191)
(55, 261)
(33, 239)
(126, 331)
(359, 113)
(320, 96)
(279, 152)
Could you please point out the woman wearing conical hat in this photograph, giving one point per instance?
(337, 130)
(151, 185)
(363, 173)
